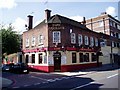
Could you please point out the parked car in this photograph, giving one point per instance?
(20, 68)
(7, 67)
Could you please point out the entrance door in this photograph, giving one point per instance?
(57, 61)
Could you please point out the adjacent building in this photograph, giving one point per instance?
(60, 44)
(109, 28)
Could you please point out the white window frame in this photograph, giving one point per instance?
(101, 24)
(96, 42)
(86, 40)
(92, 41)
(33, 41)
(40, 39)
(80, 39)
(56, 37)
(27, 42)
(73, 38)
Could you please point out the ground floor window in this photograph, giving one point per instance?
(81, 57)
(27, 58)
(73, 57)
(84, 57)
(40, 58)
(94, 57)
(33, 58)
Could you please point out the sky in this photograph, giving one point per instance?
(15, 12)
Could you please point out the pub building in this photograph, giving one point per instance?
(60, 44)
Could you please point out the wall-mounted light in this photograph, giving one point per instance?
(70, 30)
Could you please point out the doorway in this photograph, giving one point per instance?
(57, 61)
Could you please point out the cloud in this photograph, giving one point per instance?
(111, 10)
(19, 25)
(7, 4)
(77, 18)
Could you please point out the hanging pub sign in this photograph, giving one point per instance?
(56, 27)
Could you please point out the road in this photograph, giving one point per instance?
(36, 80)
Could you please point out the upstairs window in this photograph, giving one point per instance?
(80, 39)
(27, 42)
(56, 37)
(33, 41)
(86, 40)
(40, 39)
(73, 38)
(96, 42)
(91, 41)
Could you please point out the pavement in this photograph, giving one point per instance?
(4, 82)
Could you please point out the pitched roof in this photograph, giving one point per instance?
(63, 20)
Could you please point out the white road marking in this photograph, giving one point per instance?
(38, 78)
(36, 83)
(82, 86)
(26, 85)
(112, 76)
(44, 82)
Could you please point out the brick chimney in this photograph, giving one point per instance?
(47, 14)
(30, 22)
(84, 21)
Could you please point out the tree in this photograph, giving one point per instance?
(10, 40)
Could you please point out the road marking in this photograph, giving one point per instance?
(58, 79)
(82, 86)
(112, 76)
(36, 83)
(15, 87)
(38, 78)
(26, 85)
(44, 82)
(51, 80)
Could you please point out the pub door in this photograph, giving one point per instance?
(57, 62)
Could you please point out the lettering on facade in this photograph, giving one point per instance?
(56, 27)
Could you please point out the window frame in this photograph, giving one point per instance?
(80, 39)
(73, 38)
(56, 38)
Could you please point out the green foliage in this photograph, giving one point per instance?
(10, 40)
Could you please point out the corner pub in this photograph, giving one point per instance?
(60, 44)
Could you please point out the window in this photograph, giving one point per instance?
(27, 42)
(86, 40)
(27, 58)
(101, 23)
(81, 57)
(112, 44)
(80, 39)
(86, 57)
(91, 41)
(33, 41)
(40, 58)
(33, 58)
(73, 57)
(73, 38)
(119, 36)
(56, 37)
(94, 57)
(96, 42)
(40, 39)
(111, 23)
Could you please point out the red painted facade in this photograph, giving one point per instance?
(64, 68)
